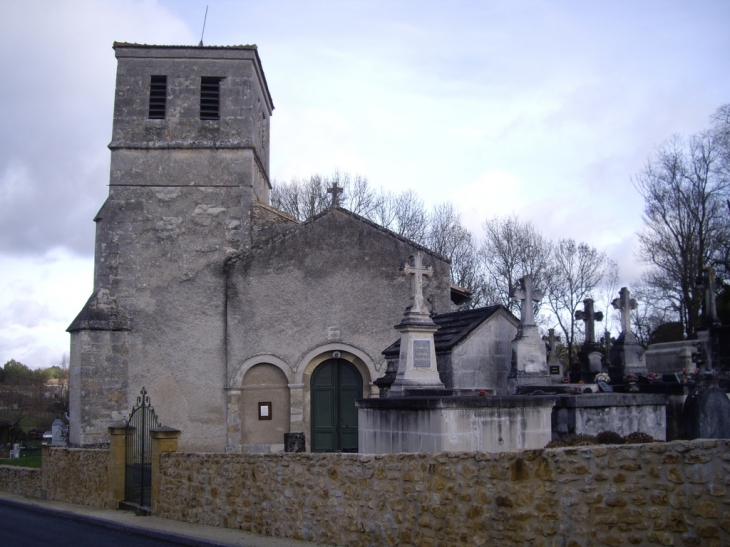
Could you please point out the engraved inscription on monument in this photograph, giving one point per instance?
(422, 353)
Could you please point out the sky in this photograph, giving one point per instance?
(544, 109)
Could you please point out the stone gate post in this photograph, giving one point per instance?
(164, 439)
(117, 436)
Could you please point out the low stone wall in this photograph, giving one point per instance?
(622, 413)
(665, 493)
(24, 481)
(76, 475)
(453, 424)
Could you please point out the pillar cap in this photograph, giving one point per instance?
(119, 428)
(165, 432)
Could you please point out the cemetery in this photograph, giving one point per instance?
(234, 364)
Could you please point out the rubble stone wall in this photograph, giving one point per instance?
(665, 493)
(24, 481)
(77, 475)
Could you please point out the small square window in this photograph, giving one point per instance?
(264, 411)
(210, 87)
(158, 97)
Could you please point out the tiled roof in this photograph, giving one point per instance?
(453, 328)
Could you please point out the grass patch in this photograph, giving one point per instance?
(32, 460)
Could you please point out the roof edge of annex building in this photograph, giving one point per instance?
(378, 227)
(248, 47)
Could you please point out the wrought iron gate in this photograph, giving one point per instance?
(138, 457)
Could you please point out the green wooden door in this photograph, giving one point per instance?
(336, 384)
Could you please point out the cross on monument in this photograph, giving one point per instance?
(607, 341)
(418, 271)
(335, 191)
(526, 294)
(706, 281)
(589, 316)
(553, 341)
(625, 304)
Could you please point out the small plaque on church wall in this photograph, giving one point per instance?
(422, 353)
(555, 369)
(264, 411)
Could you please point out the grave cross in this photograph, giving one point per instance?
(707, 282)
(526, 294)
(335, 191)
(589, 317)
(552, 340)
(625, 304)
(418, 271)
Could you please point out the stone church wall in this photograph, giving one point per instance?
(334, 279)
(665, 493)
(328, 285)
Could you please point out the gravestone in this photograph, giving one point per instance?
(589, 358)
(626, 355)
(555, 367)
(529, 363)
(706, 414)
(417, 360)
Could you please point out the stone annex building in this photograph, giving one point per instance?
(241, 323)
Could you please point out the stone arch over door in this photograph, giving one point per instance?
(238, 417)
(265, 408)
(309, 363)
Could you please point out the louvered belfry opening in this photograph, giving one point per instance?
(210, 97)
(158, 97)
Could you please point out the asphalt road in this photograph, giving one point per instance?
(29, 528)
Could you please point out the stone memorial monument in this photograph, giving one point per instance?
(710, 333)
(529, 363)
(589, 357)
(555, 367)
(417, 361)
(626, 354)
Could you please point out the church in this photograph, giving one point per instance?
(241, 323)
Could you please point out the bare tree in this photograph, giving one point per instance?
(411, 219)
(512, 249)
(449, 238)
(605, 294)
(301, 198)
(575, 273)
(305, 198)
(651, 311)
(685, 219)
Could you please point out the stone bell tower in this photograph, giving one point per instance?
(189, 156)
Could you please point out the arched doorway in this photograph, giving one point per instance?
(335, 385)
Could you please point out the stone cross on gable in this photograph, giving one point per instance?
(526, 294)
(625, 304)
(589, 316)
(418, 271)
(335, 191)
